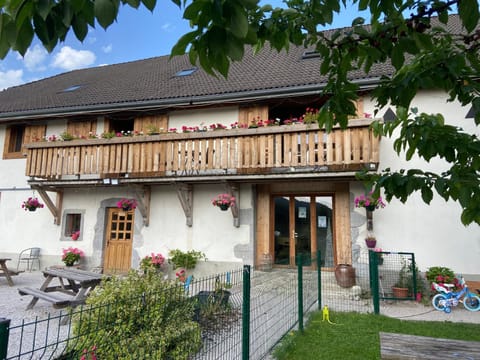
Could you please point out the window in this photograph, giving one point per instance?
(186, 72)
(18, 135)
(72, 223)
(14, 142)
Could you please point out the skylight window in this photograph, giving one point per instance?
(71, 88)
(186, 72)
(310, 55)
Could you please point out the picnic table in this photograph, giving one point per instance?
(5, 271)
(72, 289)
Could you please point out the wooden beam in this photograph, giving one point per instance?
(55, 209)
(143, 195)
(233, 190)
(185, 195)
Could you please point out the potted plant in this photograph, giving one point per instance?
(71, 256)
(75, 235)
(223, 201)
(371, 241)
(152, 262)
(186, 260)
(127, 204)
(404, 284)
(31, 204)
(370, 201)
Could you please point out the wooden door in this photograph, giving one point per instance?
(119, 237)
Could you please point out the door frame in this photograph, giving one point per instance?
(341, 226)
(313, 228)
(109, 211)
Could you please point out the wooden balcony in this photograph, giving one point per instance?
(241, 153)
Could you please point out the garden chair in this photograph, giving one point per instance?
(29, 256)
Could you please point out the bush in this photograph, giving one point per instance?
(137, 317)
(442, 275)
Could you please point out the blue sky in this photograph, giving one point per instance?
(137, 34)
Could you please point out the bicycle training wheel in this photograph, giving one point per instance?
(439, 301)
(471, 302)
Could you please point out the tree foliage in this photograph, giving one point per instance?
(410, 35)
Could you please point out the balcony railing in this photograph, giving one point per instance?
(224, 152)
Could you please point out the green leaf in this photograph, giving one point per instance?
(43, 8)
(427, 194)
(238, 22)
(469, 14)
(80, 27)
(105, 12)
(181, 46)
(397, 57)
(150, 4)
(24, 37)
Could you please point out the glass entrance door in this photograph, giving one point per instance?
(302, 224)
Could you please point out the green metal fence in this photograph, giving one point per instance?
(251, 314)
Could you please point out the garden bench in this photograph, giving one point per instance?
(402, 346)
(57, 300)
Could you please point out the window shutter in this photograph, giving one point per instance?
(82, 129)
(34, 133)
(142, 124)
(247, 115)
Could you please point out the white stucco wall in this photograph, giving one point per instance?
(225, 116)
(433, 232)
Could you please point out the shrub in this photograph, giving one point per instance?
(138, 317)
(442, 275)
(187, 260)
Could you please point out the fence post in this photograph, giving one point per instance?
(4, 334)
(246, 313)
(414, 274)
(319, 280)
(300, 291)
(373, 261)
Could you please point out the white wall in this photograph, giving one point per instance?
(225, 116)
(433, 232)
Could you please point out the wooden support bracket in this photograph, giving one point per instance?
(143, 196)
(232, 189)
(55, 208)
(185, 195)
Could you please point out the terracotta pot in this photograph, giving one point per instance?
(400, 293)
(345, 275)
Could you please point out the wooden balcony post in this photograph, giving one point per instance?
(185, 195)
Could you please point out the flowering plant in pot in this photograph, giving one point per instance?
(369, 201)
(31, 204)
(152, 262)
(127, 204)
(75, 235)
(223, 201)
(71, 255)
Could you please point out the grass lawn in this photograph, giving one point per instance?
(356, 336)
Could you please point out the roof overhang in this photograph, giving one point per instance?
(182, 102)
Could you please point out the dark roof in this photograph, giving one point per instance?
(152, 83)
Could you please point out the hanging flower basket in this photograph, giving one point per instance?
(369, 201)
(223, 201)
(127, 204)
(31, 204)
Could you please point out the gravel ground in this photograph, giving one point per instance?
(13, 307)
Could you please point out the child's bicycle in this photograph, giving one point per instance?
(446, 299)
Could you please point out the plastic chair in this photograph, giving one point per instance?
(29, 256)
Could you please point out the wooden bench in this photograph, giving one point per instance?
(57, 300)
(401, 346)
